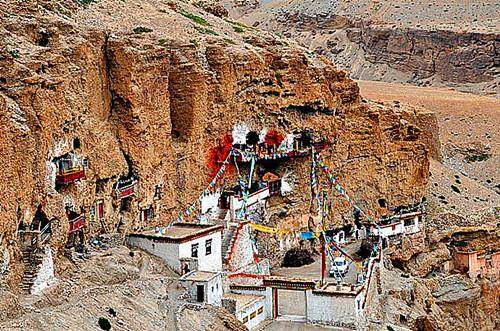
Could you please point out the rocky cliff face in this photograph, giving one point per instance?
(394, 41)
(143, 90)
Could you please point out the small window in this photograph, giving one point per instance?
(212, 289)
(208, 247)
(260, 310)
(194, 250)
(253, 315)
(76, 143)
(157, 195)
(245, 319)
(409, 222)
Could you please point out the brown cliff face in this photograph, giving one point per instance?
(394, 41)
(146, 90)
(444, 56)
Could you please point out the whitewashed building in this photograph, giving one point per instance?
(204, 286)
(183, 246)
(408, 223)
(249, 309)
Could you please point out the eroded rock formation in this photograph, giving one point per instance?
(424, 43)
(144, 93)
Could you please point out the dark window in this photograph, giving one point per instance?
(208, 247)
(260, 310)
(245, 319)
(409, 222)
(76, 143)
(194, 250)
(382, 203)
(253, 315)
(157, 195)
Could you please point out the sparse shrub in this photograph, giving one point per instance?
(194, 42)
(162, 41)
(229, 41)
(142, 29)
(104, 323)
(15, 53)
(477, 157)
(86, 2)
(238, 29)
(455, 189)
(195, 18)
(206, 31)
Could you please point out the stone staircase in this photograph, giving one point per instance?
(228, 240)
(32, 260)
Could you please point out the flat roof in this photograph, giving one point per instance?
(334, 289)
(199, 276)
(179, 232)
(244, 300)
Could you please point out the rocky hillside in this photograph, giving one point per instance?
(421, 42)
(141, 90)
(129, 289)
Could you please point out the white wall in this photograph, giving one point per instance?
(213, 290)
(334, 310)
(386, 231)
(236, 203)
(210, 201)
(45, 276)
(267, 293)
(212, 262)
(259, 318)
(167, 251)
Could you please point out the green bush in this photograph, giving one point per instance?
(15, 53)
(206, 31)
(477, 157)
(195, 18)
(238, 29)
(162, 41)
(141, 29)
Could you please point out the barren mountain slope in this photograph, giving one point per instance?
(132, 292)
(423, 42)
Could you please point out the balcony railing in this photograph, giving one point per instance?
(125, 188)
(69, 176)
(76, 223)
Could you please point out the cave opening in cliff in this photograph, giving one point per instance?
(40, 220)
(126, 204)
(382, 203)
(43, 39)
(310, 108)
